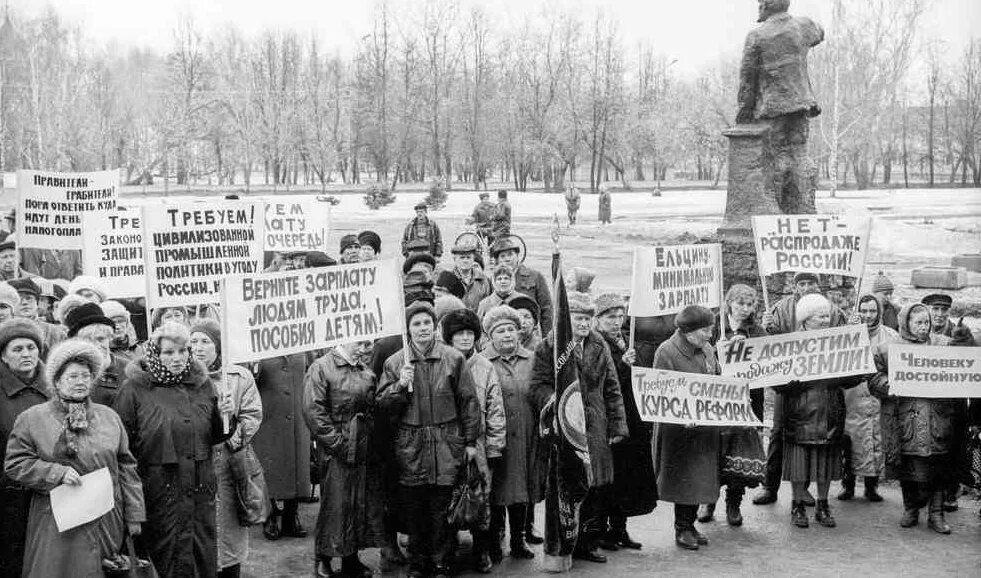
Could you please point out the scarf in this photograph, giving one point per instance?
(161, 375)
(76, 421)
(904, 317)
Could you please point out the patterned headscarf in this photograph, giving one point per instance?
(161, 375)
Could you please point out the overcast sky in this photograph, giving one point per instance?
(696, 32)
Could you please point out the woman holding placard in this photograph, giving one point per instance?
(57, 443)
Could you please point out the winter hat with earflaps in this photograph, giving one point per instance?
(460, 320)
(608, 301)
(499, 315)
(19, 327)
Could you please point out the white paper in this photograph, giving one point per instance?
(73, 506)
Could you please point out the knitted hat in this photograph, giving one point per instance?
(608, 301)
(417, 307)
(27, 286)
(77, 350)
(84, 315)
(580, 303)
(114, 309)
(882, 283)
(371, 239)
(498, 315)
(349, 241)
(457, 321)
(418, 258)
(693, 318)
(449, 282)
(9, 296)
(805, 276)
(522, 301)
(66, 305)
(19, 327)
(93, 284)
(211, 328)
(447, 304)
(319, 259)
(809, 306)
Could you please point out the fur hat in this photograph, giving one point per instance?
(66, 305)
(417, 307)
(446, 304)
(693, 318)
(114, 309)
(371, 239)
(414, 260)
(580, 303)
(882, 283)
(9, 243)
(349, 241)
(458, 320)
(19, 327)
(9, 296)
(522, 301)
(498, 315)
(465, 245)
(211, 328)
(84, 315)
(417, 286)
(26, 285)
(608, 301)
(810, 305)
(79, 350)
(93, 284)
(449, 282)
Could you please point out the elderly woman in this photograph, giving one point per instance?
(686, 458)
(233, 537)
(919, 435)
(162, 315)
(429, 392)
(863, 432)
(813, 424)
(461, 330)
(502, 281)
(87, 322)
(174, 418)
(124, 343)
(339, 407)
(527, 310)
(56, 443)
(22, 385)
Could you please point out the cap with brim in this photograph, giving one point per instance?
(420, 206)
(8, 244)
(504, 244)
(805, 276)
(937, 299)
(26, 285)
(464, 247)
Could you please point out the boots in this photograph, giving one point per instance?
(871, 489)
(765, 496)
(911, 517)
(822, 515)
(291, 520)
(706, 513)
(622, 538)
(270, 528)
(531, 537)
(848, 488)
(936, 520)
(734, 498)
(496, 534)
(516, 524)
(911, 503)
(798, 514)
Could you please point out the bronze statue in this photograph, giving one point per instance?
(774, 88)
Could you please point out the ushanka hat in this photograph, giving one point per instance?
(446, 304)
(419, 258)
(17, 328)
(349, 241)
(608, 301)
(77, 350)
(371, 239)
(449, 282)
(417, 307)
(580, 303)
(693, 318)
(114, 309)
(499, 315)
(459, 320)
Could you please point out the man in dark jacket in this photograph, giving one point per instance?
(501, 217)
(430, 393)
(481, 216)
(423, 228)
(526, 280)
(939, 305)
(606, 424)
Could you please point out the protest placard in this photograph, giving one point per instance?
(191, 246)
(691, 398)
(50, 206)
(932, 371)
(667, 279)
(296, 225)
(285, 312)
(834, 244)
(801, 356)
(115, 251)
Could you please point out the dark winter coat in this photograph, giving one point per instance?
(602, 399)
(478, 288)
(749, 328)
(501, 220)
(814, 411)
(283, 441)
(171, 433)
(605, 207)
(436, 420)
(107, 388)
(533, 284)
(686, 459)
(426, 230)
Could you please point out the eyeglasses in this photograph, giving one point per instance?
(77, 377)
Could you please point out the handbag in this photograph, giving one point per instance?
(469, 507)
(743, 460)
(128, 564)
(250, 487)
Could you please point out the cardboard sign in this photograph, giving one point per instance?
(667, 279)
(801, 356)
(272, 314)
(50, 206)
(191, 246)
(833, 244)
(933, 371)
(299, 225)
(115, 251)
(691, 398)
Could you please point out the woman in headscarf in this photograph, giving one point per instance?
(22, 385)
(56, 443)
(813, 424)
(863, 432)
(174, 418)
(233, 537)
(919, 435)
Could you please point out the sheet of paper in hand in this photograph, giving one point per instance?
(73, 506)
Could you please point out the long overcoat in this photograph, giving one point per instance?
(283, 442)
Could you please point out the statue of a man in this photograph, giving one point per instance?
(774, 87)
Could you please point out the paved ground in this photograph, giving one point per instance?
(867, 542)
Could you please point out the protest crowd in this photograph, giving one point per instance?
(446, 427)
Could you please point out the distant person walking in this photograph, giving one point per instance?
(422, 228)
(501, 217)
(605, 208)
(572, 201)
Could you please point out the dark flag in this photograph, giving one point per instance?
(564, 424)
